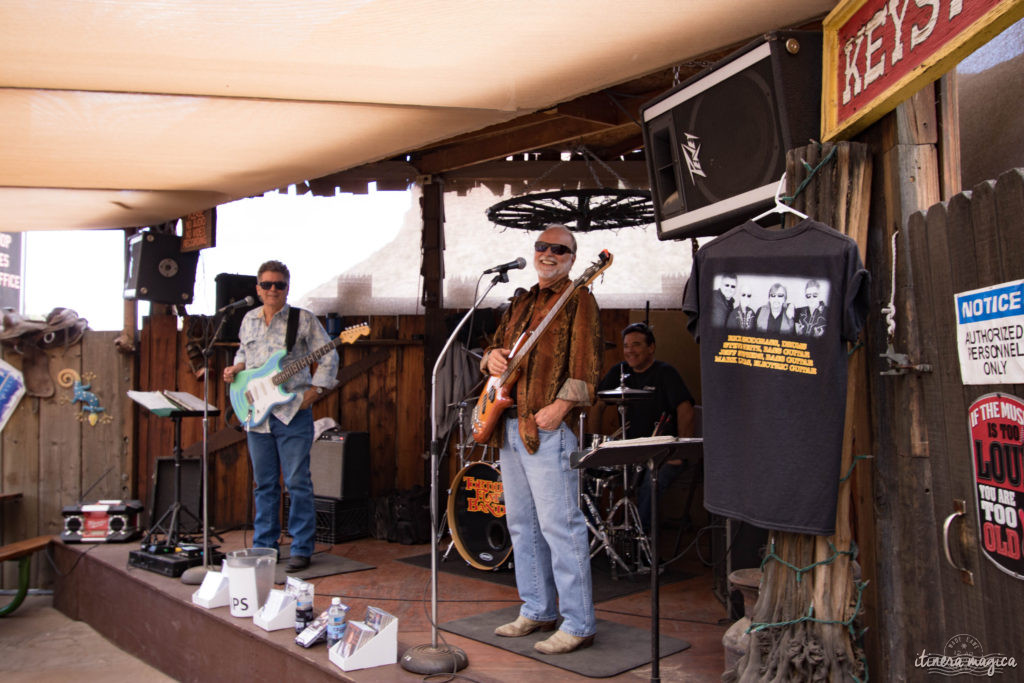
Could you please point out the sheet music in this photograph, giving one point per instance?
(188, 401)
(640, 441)
(164, 403)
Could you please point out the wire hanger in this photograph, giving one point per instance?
(779, 207)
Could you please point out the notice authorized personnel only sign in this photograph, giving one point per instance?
(990, 334)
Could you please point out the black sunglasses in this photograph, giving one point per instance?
(556, 249)
(267, 284)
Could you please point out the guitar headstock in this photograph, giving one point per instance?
(350, 334)
(604, 259)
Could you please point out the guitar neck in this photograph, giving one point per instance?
(517, 360)
(291, 369)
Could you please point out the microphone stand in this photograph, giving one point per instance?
(431, 659)
(196, 574)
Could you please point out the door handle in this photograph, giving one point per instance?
(959, 510)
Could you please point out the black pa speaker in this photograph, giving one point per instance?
(339, 463)
(716, 144)
(190, 493)
(158, 270)
(232, 288)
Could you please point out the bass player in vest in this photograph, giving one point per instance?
(279, 445)
(535, 437)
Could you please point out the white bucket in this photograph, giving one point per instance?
(250, 575)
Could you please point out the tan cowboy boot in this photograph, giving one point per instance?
(561, 643)
(522, 627)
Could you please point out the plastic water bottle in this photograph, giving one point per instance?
(303, 610)
(336, 621)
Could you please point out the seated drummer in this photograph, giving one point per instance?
(669, 410)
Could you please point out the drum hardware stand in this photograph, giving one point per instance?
(631, 531)
(604, 533)
(464, 446)
(431, 659)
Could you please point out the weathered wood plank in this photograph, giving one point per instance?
(186, 380)
(105, 454)
(354, 403)
(1010, 215)
(411, 406)
(986, 234)
(942, 389)
(948, 94)
(20, 472)
(383, 427)
(158, 354)
(1004, 623)
(60, 449)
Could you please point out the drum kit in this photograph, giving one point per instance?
(475, 514)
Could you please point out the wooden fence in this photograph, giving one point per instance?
(972, 241)
(50, 452)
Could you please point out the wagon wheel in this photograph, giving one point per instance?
(580, 210)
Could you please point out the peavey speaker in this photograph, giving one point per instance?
(716, 144)
(106, 521)
(340, 465)
(158, 270)
(232, 288)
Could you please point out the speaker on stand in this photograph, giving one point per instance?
(716, 144)
(158, 270)
(232, 288)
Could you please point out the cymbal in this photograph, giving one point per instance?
(624, 394)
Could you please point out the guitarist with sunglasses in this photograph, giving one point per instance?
(279, 446)
(535, 437)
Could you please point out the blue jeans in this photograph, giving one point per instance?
(549, 534)
(284, 451)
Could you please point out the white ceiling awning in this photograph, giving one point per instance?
(121, 114)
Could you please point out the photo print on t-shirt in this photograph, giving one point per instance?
(771, 304)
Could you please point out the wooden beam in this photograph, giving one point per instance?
(598, 107)
(560, 131)
(555, 173)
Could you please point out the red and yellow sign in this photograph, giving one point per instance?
(997, 428)
(879, 52)
(199, 230)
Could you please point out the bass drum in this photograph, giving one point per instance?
(476, 516)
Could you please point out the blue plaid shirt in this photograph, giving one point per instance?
(259, 341)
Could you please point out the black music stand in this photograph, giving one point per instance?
(164, 555)
(651, 451)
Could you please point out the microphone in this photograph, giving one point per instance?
(505, 267)
(241, 303)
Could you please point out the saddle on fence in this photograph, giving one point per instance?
(32, 338)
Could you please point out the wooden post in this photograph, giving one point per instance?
(790, 647)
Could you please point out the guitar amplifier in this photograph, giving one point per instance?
(106, 521)
(339, 463)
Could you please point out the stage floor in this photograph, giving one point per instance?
(152, 617)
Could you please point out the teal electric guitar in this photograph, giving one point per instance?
(254, 393)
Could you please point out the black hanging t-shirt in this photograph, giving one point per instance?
(774, 378)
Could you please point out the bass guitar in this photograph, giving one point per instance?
(497, 393)
(254, 393)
